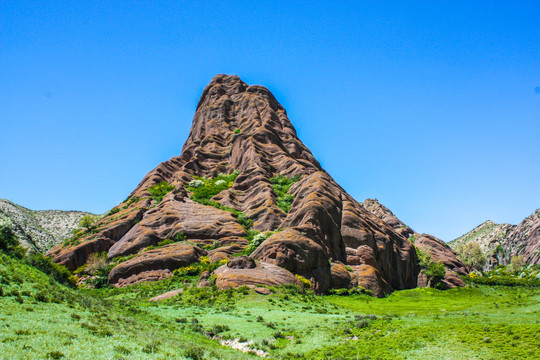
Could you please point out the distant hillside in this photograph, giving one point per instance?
(503, 241)
(40, 229)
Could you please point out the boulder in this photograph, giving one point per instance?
(262, 274)
(241, 262)
(165, 259)
(151, 275)
(341, 277)
(440, 251)
(76, 256)
(370, 278)
(292, 250)
(167, 295)
(224, 252)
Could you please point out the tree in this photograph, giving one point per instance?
(88, 221)
(8, 240)
(471, 255)
(516, 264)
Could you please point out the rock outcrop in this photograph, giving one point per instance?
(40, 230)
(248, 272)
(436, 248)
(164, 260)
(501, 242)
(242, 129)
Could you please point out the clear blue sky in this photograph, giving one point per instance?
(432, 108)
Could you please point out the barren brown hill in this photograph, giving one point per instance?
(245, 184)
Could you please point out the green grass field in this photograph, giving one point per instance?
(41, 319)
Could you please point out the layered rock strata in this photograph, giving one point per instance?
(243, 128)
(436, 248)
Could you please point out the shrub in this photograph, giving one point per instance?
(165, 242)
(501, 275)
(305, 282)
(435, 271)
(254, 244)
(217, 329)
(196, 183)
(131, 200)
(175, 239)
(112, 211)
(281, 185)
(471, 255)
(237, 131)
(516, 264)
(96, 262)
(122, 350)
(158, 191)
(194, 352)
(42, 296)
(197, 268)
(151, 347)
(353, 291)
(45, 265)
(55, 355)
(204, 189)
(88, 221)
(8, 240)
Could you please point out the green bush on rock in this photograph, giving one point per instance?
(281, 185)
(158, 191)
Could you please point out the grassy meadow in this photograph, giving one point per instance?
(41, 319)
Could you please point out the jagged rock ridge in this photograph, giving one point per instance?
(437, 249)
(243, 128)
(40, 230)
(503, 241)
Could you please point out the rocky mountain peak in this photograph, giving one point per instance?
(245, 184)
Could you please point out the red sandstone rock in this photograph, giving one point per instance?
(262, 291)
(244, 128)
(167, 259)
(262, 274)
(370, 278)
(152, 275)
(167, 295)
(440, 251)
(341, 277)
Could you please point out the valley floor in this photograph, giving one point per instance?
(41, 319)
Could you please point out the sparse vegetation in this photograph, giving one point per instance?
(158, 191)
(255, 242)
(204, 189)
(210, 188)
(281, 186)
